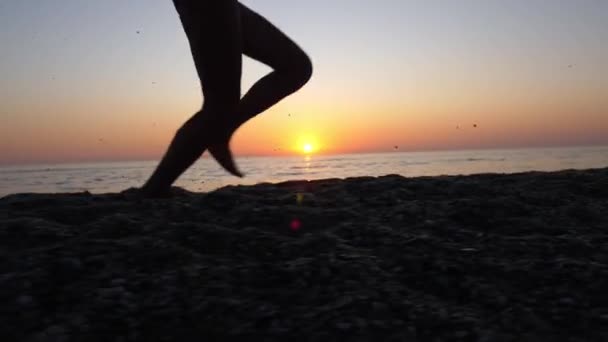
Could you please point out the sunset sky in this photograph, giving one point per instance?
(113, 79)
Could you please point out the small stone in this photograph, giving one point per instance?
(325, 272)
(57, 332)
(277, 327)
(343, 325)
(117, 282)
(78, 321)
(461, 334)
(112, 292)
(379, 323)
(566, 301)
(379, 307)
(70, 265)
(397, 322)
(25, 300)
(361, 323)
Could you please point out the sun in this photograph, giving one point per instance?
(307, 144)
(307, 148)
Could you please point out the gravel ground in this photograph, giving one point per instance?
(521, 257)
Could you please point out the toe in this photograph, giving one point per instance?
(222, 154)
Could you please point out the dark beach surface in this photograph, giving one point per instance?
(520, 257)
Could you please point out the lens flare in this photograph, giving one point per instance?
(299, 198)
(295, 225)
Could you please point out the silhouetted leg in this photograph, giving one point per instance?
(292, 68)
(214, 32)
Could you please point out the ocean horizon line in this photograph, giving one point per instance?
(11, 165)
(206, 174)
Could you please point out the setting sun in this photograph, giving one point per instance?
(307, 148)
(307, 143)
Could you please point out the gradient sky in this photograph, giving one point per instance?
(78, 82)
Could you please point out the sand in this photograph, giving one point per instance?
(474, 258)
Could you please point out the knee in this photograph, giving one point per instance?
(304, 69)
(299, 70)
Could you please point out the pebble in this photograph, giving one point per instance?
(343, 325)
(277, 327)
(379, 324)
(361, 323)
(461, 334)
(379, 307)
(25, 300)
(78, 321)
(117, 282)
(567, 301)
(71, 265)
(325, 272)
(112, 292)
(56, 333)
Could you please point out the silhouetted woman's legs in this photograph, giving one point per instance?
(214, 33)
(219, 32)
(292, 68)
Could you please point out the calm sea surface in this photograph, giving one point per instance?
(205, 175)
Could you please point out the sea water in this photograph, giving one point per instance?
(206, 175)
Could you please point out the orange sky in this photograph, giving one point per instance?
(122, 131)
(526, 75)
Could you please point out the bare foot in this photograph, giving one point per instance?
(219, 133)
(189, 143)
(222, 154)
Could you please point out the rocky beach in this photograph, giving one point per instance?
(487, 257)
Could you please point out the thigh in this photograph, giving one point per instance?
(264, 42)
(213, 28)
